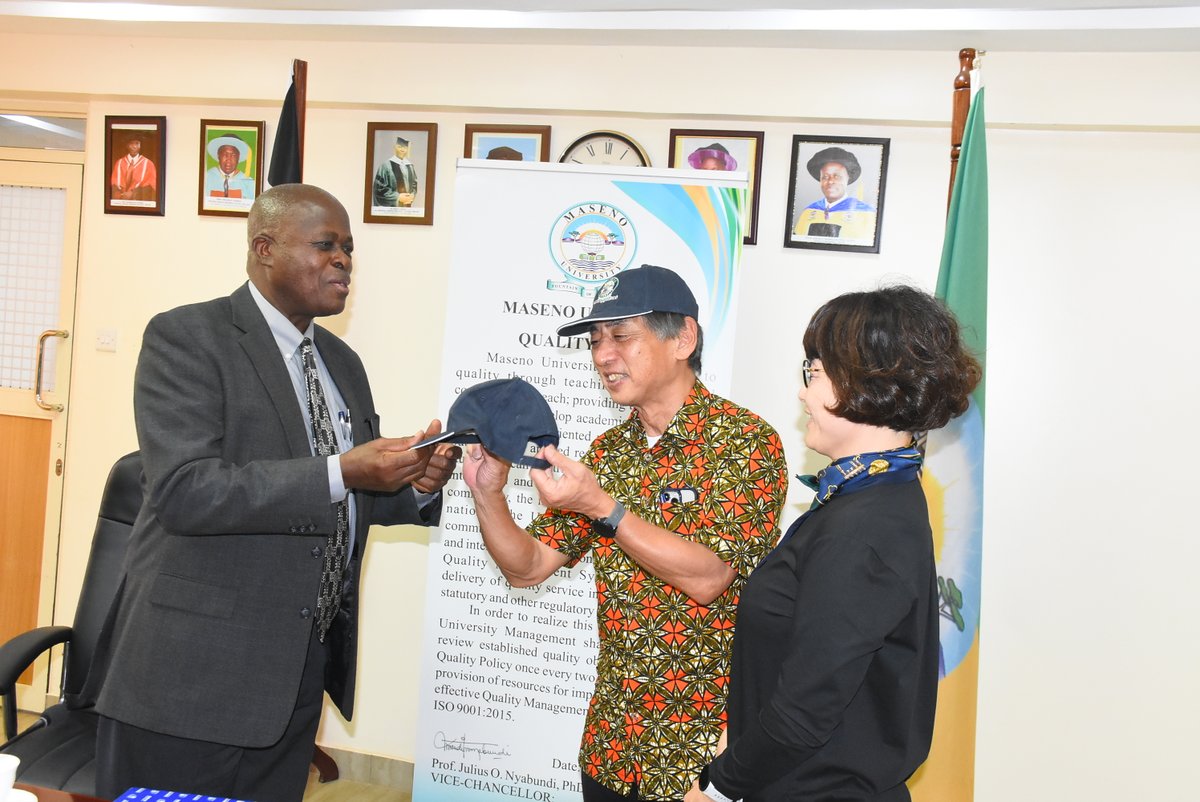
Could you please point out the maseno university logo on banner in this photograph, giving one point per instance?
(590, 242)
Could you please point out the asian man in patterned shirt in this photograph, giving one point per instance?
(677, 506)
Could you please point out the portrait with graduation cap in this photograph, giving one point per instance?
(841, 207)
(401, 161)
(135, 152)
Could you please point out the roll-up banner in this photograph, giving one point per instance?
(507, 673)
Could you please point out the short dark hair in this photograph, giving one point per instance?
(895, 357)
(666, 325)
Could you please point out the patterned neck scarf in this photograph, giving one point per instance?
(849, 474)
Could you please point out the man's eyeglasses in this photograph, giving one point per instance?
(807, 370)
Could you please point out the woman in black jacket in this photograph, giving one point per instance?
(835, 657)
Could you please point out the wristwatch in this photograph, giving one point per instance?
(607, 526)
(707, 788)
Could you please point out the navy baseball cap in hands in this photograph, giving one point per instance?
(508, 417)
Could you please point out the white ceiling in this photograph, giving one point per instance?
(1069, 25)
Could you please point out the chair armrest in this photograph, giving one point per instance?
(19, 653)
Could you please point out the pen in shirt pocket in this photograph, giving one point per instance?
(347, 426)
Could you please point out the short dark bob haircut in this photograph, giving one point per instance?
(895, 357)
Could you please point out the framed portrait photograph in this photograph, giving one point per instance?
(231, 168)
(703, 149)
(836, 193)
(135, 155)
(517, 143)
(400, 173)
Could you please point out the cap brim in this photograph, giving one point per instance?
(569, 329)
(465, 436)
(461, 436)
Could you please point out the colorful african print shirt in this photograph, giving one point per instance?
(718, 477)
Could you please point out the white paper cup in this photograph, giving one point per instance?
(8, 774)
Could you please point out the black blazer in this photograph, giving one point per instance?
(835, 656)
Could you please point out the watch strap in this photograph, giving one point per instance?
(609, 523)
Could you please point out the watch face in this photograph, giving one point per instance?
(605, 147)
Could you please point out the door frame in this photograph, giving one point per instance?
(65, 169)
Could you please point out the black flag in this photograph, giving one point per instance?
(287, 157)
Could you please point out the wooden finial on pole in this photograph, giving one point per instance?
(962, 104)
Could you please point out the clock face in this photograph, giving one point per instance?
(605, 147)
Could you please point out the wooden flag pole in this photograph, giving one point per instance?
(300, 82)
(962, 105)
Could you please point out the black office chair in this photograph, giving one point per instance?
(59, 749)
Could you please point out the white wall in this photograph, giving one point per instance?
(1089, 655)
(1087, 663)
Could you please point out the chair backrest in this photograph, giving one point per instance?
(119, 506)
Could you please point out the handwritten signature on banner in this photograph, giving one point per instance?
(477, 748)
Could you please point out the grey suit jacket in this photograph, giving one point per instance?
(208, 635)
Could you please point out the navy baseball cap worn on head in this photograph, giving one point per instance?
(637, 292)
(508, 417)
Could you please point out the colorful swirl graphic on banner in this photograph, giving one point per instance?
(709, 221)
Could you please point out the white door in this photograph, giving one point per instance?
(40, 204)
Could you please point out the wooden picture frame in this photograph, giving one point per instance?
(135, 159)
(704, 149)
(388, 169)
(227, 188)
(836, 193)
(529, 143)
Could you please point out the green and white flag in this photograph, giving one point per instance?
(953, 482)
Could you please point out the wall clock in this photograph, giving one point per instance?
(605, 147)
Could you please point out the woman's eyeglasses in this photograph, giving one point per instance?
(807, 370)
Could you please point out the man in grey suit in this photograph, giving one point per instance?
(229, 625)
